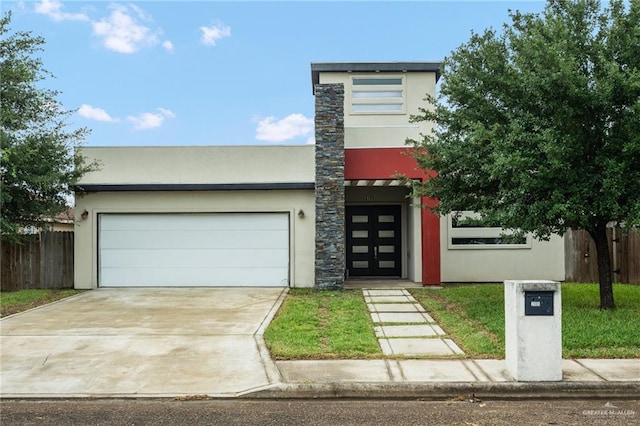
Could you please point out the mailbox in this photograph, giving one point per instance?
(533, 330)
(538, 303)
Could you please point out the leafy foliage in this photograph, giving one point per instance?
(39, 160)
(538, 127)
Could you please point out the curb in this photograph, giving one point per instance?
(449, 390)
(423, 391)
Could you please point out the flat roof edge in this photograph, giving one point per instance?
(375, 66)
(97, 187)
(318, 67)
(259, 146)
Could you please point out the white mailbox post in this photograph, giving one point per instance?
(533, 330)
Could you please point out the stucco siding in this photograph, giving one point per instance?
(381, 136)
(200, 164)
(385, 130)
(542, 260)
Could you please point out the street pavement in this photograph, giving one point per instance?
(319, 412)
(196, 343)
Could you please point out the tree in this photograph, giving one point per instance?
(538, 127)
(40, 160)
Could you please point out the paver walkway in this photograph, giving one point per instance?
(403, 327)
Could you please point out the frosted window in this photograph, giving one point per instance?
(380, 94)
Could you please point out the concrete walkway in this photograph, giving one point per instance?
(457, 379)
(404, 327)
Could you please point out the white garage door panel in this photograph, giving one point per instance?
(202, 277)
(192, 258)
(195, 222)
(145, 239)
(222, 249)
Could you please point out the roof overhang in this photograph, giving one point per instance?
(266, 186)
(320, 67)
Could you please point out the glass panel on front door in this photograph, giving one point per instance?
(373, 241)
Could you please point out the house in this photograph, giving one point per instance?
(298, 216)
(62, 222)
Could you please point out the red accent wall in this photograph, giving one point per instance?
(384, 163)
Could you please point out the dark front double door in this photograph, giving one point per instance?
(373, 241)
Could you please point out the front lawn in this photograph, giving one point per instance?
(474, 316)
(322, 325)
(12, 302)
(328, 324)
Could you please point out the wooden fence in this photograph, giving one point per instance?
(581, 261)
(44, 260)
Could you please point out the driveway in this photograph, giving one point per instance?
(141, 342)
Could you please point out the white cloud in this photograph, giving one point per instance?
(210, 35)
(311, 140)
(141, 13)
(95, 113)
(292, 126)
(150, 120)
(167, 112)
(121, 31)
(53, 9)
(168, 46)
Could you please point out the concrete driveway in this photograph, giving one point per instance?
(141, 342)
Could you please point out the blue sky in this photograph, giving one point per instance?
(227, 73)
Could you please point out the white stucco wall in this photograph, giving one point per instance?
(384, 129)
(302, 229)
(201, 164)
(541, 260)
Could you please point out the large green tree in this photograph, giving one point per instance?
(40, 160)
(537, 126)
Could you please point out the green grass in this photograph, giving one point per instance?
(589, 332)
(322, 325)
(21, 300)
(332, 325)
(473, 315)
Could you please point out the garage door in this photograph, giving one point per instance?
(176, 250)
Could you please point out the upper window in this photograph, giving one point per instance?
(376, 95)
(468, 230)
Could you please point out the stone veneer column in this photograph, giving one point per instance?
(329, 189)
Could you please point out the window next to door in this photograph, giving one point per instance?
(467, 230)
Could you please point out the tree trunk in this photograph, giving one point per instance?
(599, 236)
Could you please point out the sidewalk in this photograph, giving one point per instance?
(447, 379)
(416, 334)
